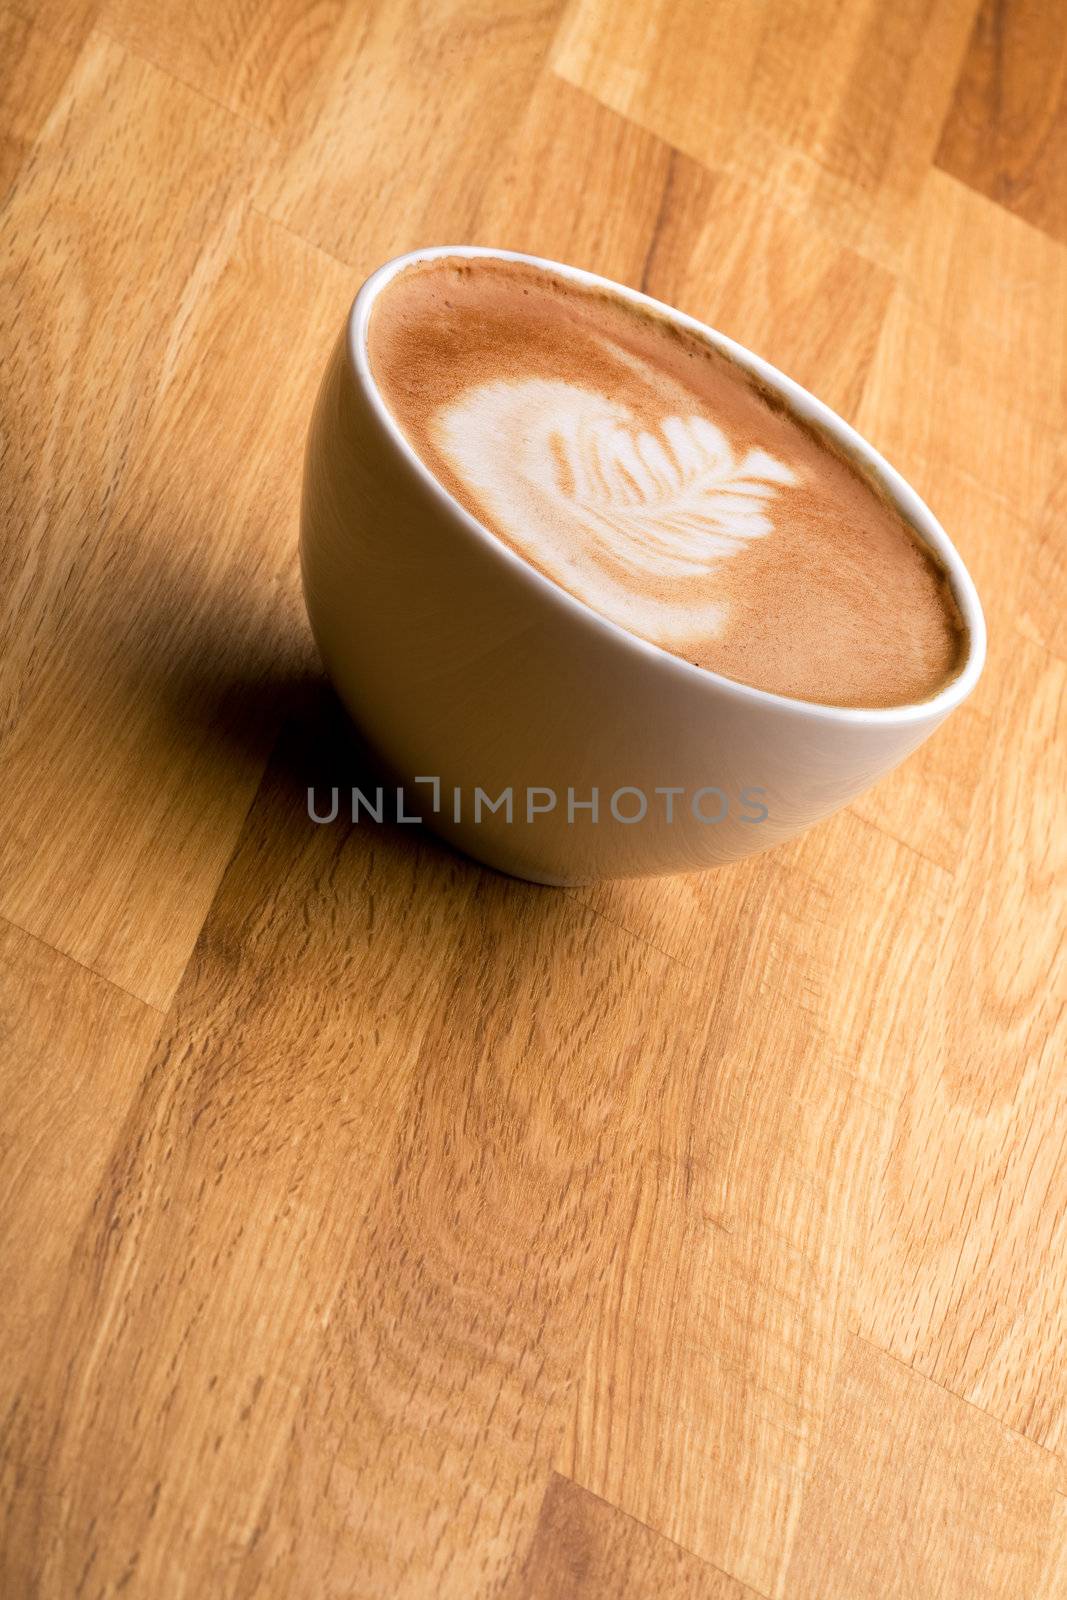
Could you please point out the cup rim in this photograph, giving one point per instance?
(808, 406)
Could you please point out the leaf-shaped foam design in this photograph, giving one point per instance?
(632, 520)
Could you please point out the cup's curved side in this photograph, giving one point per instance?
(465, 667)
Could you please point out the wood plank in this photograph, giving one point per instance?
(964, 1275)
(257, 61)
(841, 926)
(917, 1493)
(1042, 615)
(444, 1375)
(705, 1388)
(996, 290)
(32, 71)
(1006, 131)
(406, 168)
(584, 1549)
(806, 302)
(977, 296)
(152, 598)
(986, 473)
(65, 22)
(1054, 1577)
(155, 1413)
(575, 182)
(835, 110)
(75, 1048)
(966, 1268)
(343, 1259)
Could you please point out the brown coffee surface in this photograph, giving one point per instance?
(644, 471)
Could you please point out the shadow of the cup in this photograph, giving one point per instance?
(532, 733)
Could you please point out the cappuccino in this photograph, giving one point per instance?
(638, 467)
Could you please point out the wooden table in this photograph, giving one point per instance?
(378, 1226)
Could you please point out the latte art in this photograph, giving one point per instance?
(659, 508)
(636, 465)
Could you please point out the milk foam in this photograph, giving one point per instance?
(660, 510)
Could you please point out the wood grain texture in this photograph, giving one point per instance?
(722, 1330)
(373, 1225)
(346, 1345)
(567, 141)
(925, 1506)
(171, 1425)
(66, 22)
(584, 1549)
(257, 60)
(1006, 132)
(32, 70)
(848, 890)
(1042, 616)
(965, 397)
(75, 1049)
(836, 109)
(402, 128)
(966, 1280)
(1053, 1581)
(455, 1359)
(984, 370)
(145, 602)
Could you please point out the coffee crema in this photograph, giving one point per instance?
(641, 469)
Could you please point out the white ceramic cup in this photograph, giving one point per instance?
(464, 665)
